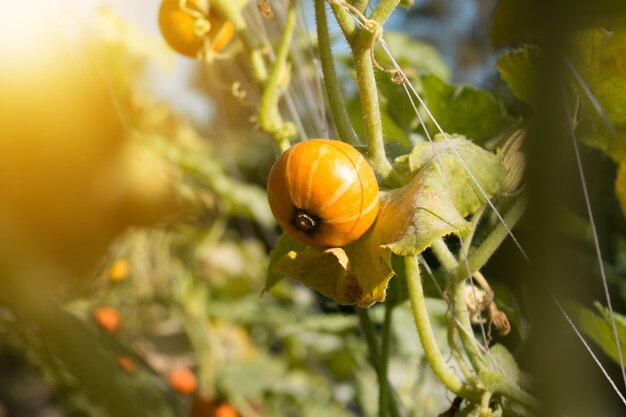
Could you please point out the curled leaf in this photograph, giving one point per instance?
(331, 272)
(453, 156)
(414, 216)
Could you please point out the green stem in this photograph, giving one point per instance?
(383, 10)
(424, 329)
(467, 241)
(444, 255)
(479, 257)
(370, 338)
(361, 5)
(368, 92)
(269, 116)
(345, 21)
(456, 353)
(333, 87)
(485, 410)
(461, 313)
(459, 304)
(383, 399)
(496, 383)
(361, 42)
(232, 12)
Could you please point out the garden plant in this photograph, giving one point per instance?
(346, 229)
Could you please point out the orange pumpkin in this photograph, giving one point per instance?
(180, 27)
(323, 193)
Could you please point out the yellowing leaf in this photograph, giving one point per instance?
(607, 84)
(371, 264)
(330, 272)
(414, 216)
(451, 156)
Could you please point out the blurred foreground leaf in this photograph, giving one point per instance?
(600, 329)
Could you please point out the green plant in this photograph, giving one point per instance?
(411, 305)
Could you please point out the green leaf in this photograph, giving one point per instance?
(484, 166)
(504, 363)
(518, 69)
(416, 59)
(250, 378)
(414, 216)
(613, 52)
(465, 110)
(599, 57)
(600, 329)
(284, 245)
(607, 82)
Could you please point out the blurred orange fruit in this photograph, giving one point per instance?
(226, 410)
(108, 319)
(119, 270)
(183, 380)
(127, 364)
(190, 31)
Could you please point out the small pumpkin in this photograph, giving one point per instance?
(183, 29)
(323, 193)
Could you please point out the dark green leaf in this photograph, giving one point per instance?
(519, 69)
(465, 110)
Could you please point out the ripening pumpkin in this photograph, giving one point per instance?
(323, 193)
(180, 28)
